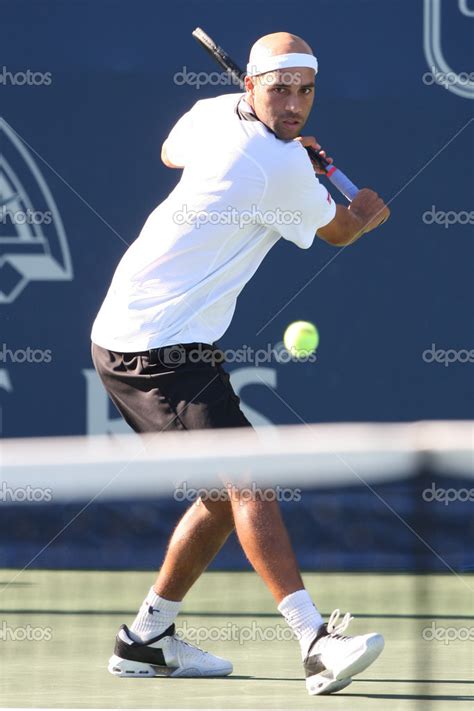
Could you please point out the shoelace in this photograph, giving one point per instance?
(335, 628)
(178, 637)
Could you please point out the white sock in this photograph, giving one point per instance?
(303, 617)
(154, 616)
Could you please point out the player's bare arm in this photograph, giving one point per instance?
(366, 212)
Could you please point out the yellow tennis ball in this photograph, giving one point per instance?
(301, 338)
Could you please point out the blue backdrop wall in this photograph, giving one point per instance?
(80, 139)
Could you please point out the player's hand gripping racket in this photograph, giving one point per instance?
(336, 176)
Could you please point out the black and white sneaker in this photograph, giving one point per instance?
(333, 659)
(164, 655)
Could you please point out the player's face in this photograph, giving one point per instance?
(283, 99)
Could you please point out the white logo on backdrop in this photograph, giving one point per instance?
(33, 244)
(462, 83)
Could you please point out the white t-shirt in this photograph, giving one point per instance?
(241, 189)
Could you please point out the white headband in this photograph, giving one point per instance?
(281, 61)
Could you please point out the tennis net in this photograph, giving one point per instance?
(385, 482)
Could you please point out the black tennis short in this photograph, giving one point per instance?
(180, 387)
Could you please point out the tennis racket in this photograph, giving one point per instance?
(336, 176)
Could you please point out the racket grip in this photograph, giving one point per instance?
(342, 183)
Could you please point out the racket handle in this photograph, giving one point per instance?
(336, 176)
(342, 183)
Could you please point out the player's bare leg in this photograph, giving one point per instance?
(265, 541)
(197, 538)
(205, 527)
(330, 658)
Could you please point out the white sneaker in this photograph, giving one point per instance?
(164, 655)
(333, 659)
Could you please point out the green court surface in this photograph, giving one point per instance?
(58, 628)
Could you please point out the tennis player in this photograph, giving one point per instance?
(174, 294)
